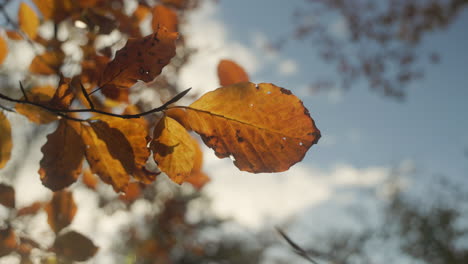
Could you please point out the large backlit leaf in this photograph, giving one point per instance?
(28, 20)
(5, 140)
(74, 246)
(41, 95)
(140, 59)
(60, 210)
(265, 128)
(7, 195)
(173, 149)
(3, 49)
(63, 156)
(197, 177)
(230, 72)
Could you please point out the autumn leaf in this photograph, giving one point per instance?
(74, 246)
(57, 10)
(230, 72)
(7, 196)
(14, 35)
(3, 49)
(47, 63)
(28, 20)
(60, 210)
(89, 179)
(7, 241)
(164, 17)
(63, 96)
(63, 156)
(5, 140)
(173, 149)
(132, 192)
(41, 95)
(180, 115)
(31, 209)
(265, 128)
(140, 59)
(197, 177)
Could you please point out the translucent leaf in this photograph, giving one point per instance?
(57, 10)
(41, 95)
(164, 17)
(265, 128)
(63, 156)
(230, 72)
(28, 20)
(60, 210)
(64, 95)
(47, 63)
(173, 149)
(5, 140)
(7, 196)
(197, 177)
(3, 49)
(74, 246)
(140, 59)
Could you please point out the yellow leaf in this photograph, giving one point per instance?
(173, 149)
(5, 140)
(3, 49)
(60, 210)
(28, 20)
(230, 72)
(63, 156)
(265, 128)
(197, 178)
(47, 63)
(41, 95)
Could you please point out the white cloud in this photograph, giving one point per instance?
(252, 199)
(287, 67)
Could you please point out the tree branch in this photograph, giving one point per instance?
(63, 113)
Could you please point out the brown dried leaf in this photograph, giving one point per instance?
(7, 196)
(60, 210)
(47, 63)
(173, 149)
(265, 128)
(57, 10)
(13, 35)
(74, 246)
(28, 20)
(3, 49)
(7, 241)
(164, 17)
(140, 59)
(63, 156)
(41, 95)
(230, 72)
(5, 140)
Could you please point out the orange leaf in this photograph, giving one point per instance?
(230, 72)
(173, 149)
(13, 35)
(265, 128)
(5, 140)
(7, 196)
(140, 59)
(89, 179)
(47, 63)
(30, 209)
(3, 49)
(64, 95)
(74, 246)
(197, 178)
(7, 241)
(132, 192)
(180, 115)
(41, 95)
(164, 17)
(28, 20)
(141, 12)
(60, 210)
(57, 10)
(63, 156)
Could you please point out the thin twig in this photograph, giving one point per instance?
(24, 92)
(297, 249)
(91, 105)
(63, 112)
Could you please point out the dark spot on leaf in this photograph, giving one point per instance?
(285, 91)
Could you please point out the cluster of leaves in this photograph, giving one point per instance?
(264, 128)
(68, 245)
